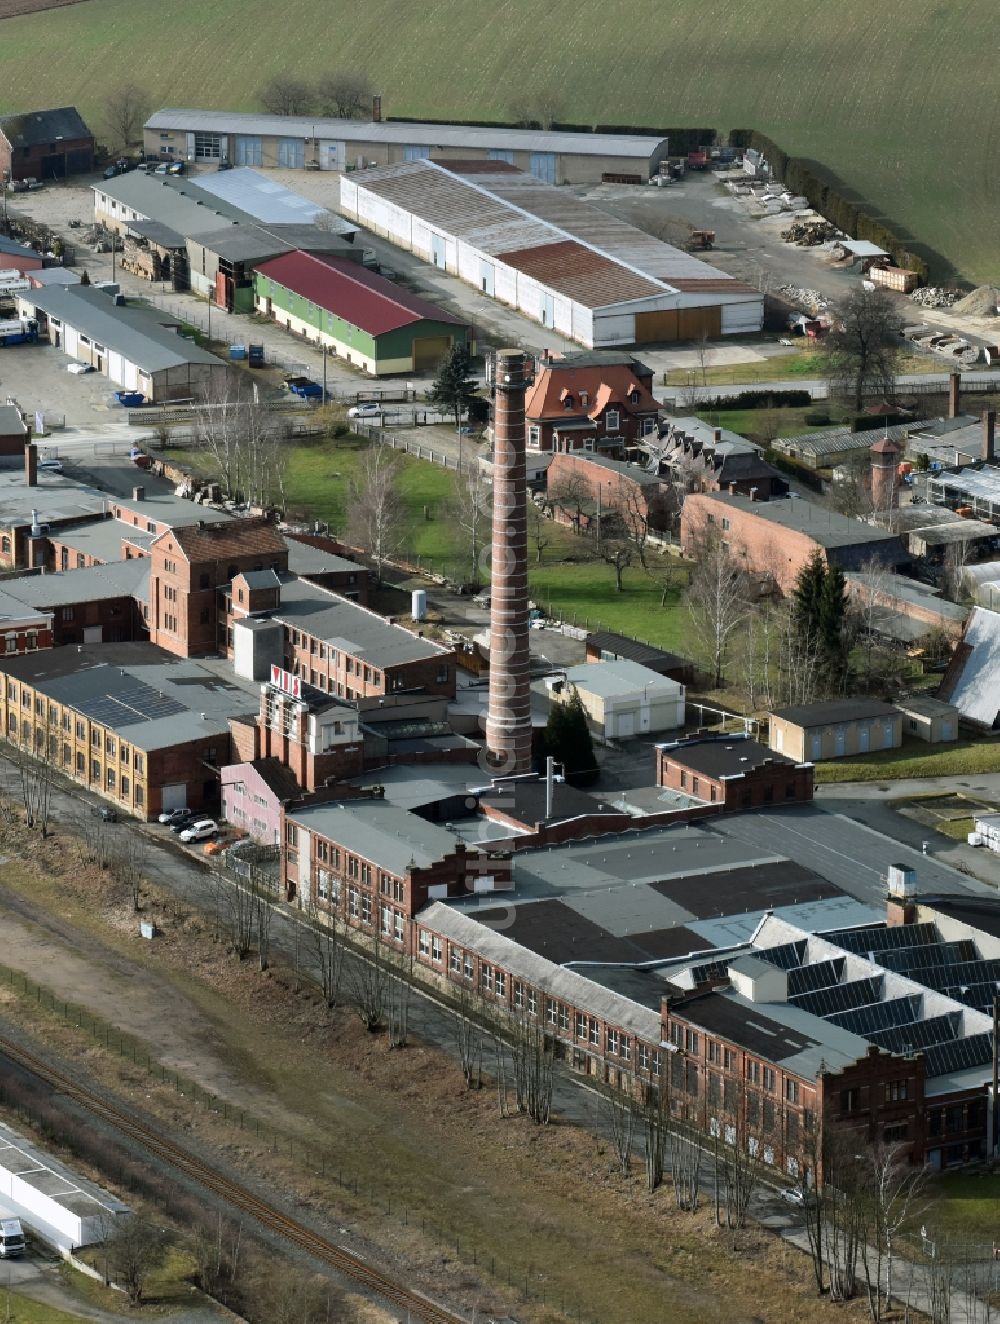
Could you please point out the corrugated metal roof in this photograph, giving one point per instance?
(586, 254)
(347, 289)
(976, 692)
(424, 135)
(137, 335)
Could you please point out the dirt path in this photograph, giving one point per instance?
(129, 995)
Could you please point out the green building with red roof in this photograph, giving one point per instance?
(362, 317)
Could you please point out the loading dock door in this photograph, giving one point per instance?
(93, 634)
(652, 327)
(626, 726)
(543, 166)
(428, 352)
(174, 797)
(486, 278)
(693, 323)
(438, 250)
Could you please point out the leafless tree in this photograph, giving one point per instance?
(799, 668)
(956, 558)
(135, 1248)
(851, 491)
(127, 860)
(742, 1162)
(247, 445)
(685, 1156)
(537, 109)
(844, 1195)
(287, 95)
(263, 914)
(539, 530)
(619, 1113)
(616, 547)
(398, 993)
(656, 1135)
(469, 1036)
(291, 1296)
(34, 756)
(896, 1192)
(376, 522)
(704, 354)
(861, 349)
(344, 94)
(324, 942)
(533, 1054)
(369, 981)
(126, 109)
(218, 1257)
(717, 600)
(472, 513)
(571, 494)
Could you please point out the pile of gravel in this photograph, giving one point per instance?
(982, 302)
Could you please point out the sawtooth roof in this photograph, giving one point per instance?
(348, 290)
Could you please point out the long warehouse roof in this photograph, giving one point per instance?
(422, 135)
(566, 244)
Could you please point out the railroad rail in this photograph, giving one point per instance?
(351, 1266)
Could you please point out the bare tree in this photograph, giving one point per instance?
(327, 949)
(344, 94)
(539, 530)
(533, 1054)
(536, 109)
(861, 349)
(742, 1161)
(126, 109)
(287, 95)
(571, 494)
(704, 354)
(656, 1135)
(247, 445)
(398, 993)
(717, 600)
(135, 1247)
(616, 547)
(34, 757)
(469, 1037)
(956, 558)
(896, 1195)
(685, 1157)
(472, 513)
(619, 1113)
(369, 984)
(218, 1257)
(291, 1296)
(376, 520)
(127, 860)
(263, 914)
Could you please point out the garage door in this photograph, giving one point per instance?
(174, 797)
(651, 327)
(93, 634)
(626, 725)
(693, 323)
(543, 166)
(429, 352)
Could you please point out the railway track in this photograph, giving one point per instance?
(351, 1266)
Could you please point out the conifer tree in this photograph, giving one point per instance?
(568, 740)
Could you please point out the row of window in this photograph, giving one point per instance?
(98, 739)
(756, 1073)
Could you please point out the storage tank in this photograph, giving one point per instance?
(418, 604)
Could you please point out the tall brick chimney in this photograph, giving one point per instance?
(31, 465)
(954, 394)
(988, 452)
(508, 720)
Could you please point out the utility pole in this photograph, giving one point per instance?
(114, 264)
(324, 372)
(994, 1112)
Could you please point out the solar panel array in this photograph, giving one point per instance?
(878, 1015)
(959, 1055)
(883, 938)
(911, 961)
(134, 702)
(821, 974)
(917, 1035)
(786, 957)
(840, 997)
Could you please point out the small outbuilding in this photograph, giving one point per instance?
(835, 729)
(45, 144)
(929, 719)
(363, 317)
(622, 699)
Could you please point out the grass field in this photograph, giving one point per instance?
(802, 363)
(896, 99)
(915, 758)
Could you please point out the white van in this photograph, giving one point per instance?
(11, 1236)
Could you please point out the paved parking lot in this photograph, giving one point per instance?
(36, 377)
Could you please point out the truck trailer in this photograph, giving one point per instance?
(18, 331)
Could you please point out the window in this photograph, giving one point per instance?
(792, 1091)
(728, 1059)
(643, 1057)
(534, 436)
(366, 909)
(386, 919)
(595, 1032)
(455, 960)
(291, 834)
(581, 1025)
(769, 1079)
(139, 763)
(714, 1052)
(654, 1069)
(563, 1017)
(67, 613)
(626, 1048)
(753, 1072)
(895, 1091)
(501, 983)
(207, 146)
(519, 996)
(613, 1042)
(532, 1002)
(898, 1131)
(691, 1041)
(850, 1100)
(725, 523)
(468, 969)
(612, 420)
(486, 978)
(437, 952)
(124, 782)
(353, 902)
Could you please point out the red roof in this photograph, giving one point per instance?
(348, 290)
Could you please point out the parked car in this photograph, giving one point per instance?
(792, 1195)
(129, 399)
(366, 409)
(162, 168)
(51, 466)
(185, 821)
(78, 369)
(305, 389)
(171, 816)
(177, 167)
(200, 830)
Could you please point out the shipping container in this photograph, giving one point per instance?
(894, 278)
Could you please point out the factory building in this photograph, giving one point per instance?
(559, 260)
(308, 143)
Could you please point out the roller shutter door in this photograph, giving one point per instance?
(429, 351)
(693, 323)
(651, 327)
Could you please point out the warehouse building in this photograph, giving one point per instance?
(307, 143)
(208, 236)
(622, 699)
(137, 349)
(561, 261)
(360, 316)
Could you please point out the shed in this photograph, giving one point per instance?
(622, 699)
(929, 719)
(363, 317)
(607, 646)
(836, 729)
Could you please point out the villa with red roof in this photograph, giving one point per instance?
(360, 316)
(592, 400)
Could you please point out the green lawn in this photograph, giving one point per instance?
(965, 1204)
(18, 1309)
(585, 593)
(796, 363)
(749, 422)
(915, 758)
(897, 99)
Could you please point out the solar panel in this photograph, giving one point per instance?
(878, 1015)
(913, 959)
(134, 702)
(883, 938)
(959, 1055)
(979, 995)
(840, 997)
(786, 957)
(957, 978)
(917, 1035)
(819, 975)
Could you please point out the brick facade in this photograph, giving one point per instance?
(732, 774)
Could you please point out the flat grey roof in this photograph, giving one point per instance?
(905, 589)
(958, 531)
(349, 627)
(11, 423)
(983, 483)
(13, 609)
(827, 527)
(306, 560)
(390, 837)
(412, 787)
(923, 705)
(145, 695)
(612, 680)
(269, 202)
(56, 498)
(19, 1155)
(102, 538)
(387, 131)
(164, 508)
(118, 579)
(140, 336)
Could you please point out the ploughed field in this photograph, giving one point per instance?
(897, 99)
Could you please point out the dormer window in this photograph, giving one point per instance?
(634, 397)
(567, 401)
(584, 399)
